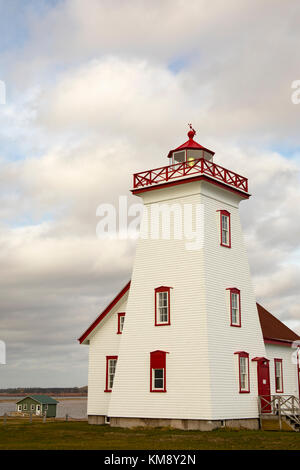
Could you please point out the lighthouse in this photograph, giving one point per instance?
(182, 344)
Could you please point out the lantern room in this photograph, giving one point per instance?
(189, 151)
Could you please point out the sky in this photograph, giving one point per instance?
(97, 90)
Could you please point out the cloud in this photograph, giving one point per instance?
(92, 98)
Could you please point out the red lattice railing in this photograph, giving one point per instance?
(179, 170)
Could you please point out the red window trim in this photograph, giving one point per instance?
(243, 354)
(280, 362)
(106, 380)
(121, 314)
(158, 361)
(162, 289)
(235, 290)
(224, 212)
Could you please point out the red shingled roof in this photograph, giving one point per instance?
(190, 144)
(274, 330)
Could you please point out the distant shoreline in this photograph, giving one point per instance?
(71, 395)
(10, 399)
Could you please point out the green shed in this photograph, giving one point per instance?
(38, 405)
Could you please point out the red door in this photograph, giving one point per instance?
(263, 377)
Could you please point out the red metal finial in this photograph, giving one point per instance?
(191, 133)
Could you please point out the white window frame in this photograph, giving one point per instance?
(32, 407)
(163, 307)
(278, 362)
(158, 378)
(25, 407)
(19, 407)
(225, 230)
(244, 361)
(235, 308)
(110, 374)
(173, 157)
(122, 321)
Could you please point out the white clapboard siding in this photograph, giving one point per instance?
(104, 341)
(289, 368)
(225, 268)
(202, 375)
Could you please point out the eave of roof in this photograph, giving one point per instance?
(104, 313)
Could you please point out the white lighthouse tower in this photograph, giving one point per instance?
(189, 350)
(196, 307)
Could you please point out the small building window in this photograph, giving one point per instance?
(111, 364)
(158, 371)
(32, 407)
(235, 306)
(225, 228)
(19, 407)
(162, 306)
(121, 319)
(25, 407)
(244, 377)
(278, 376)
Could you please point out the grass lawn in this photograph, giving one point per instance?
(20, 434)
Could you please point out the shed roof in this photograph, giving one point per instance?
(274, 329)
(43, 399)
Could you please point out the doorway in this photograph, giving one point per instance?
(263, 382)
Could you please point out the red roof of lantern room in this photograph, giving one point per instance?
(190, 144)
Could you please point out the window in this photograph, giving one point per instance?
(19, 407)
(235, 306)
(244, 377)
(158, 379)
(162, 306)
(225, 229)
(121, 319)
(111, 363)
(278, 376)
(25, 407)
(191, 160)
(158, 371)
(179, 157)
(32, 407)
(46, 407)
